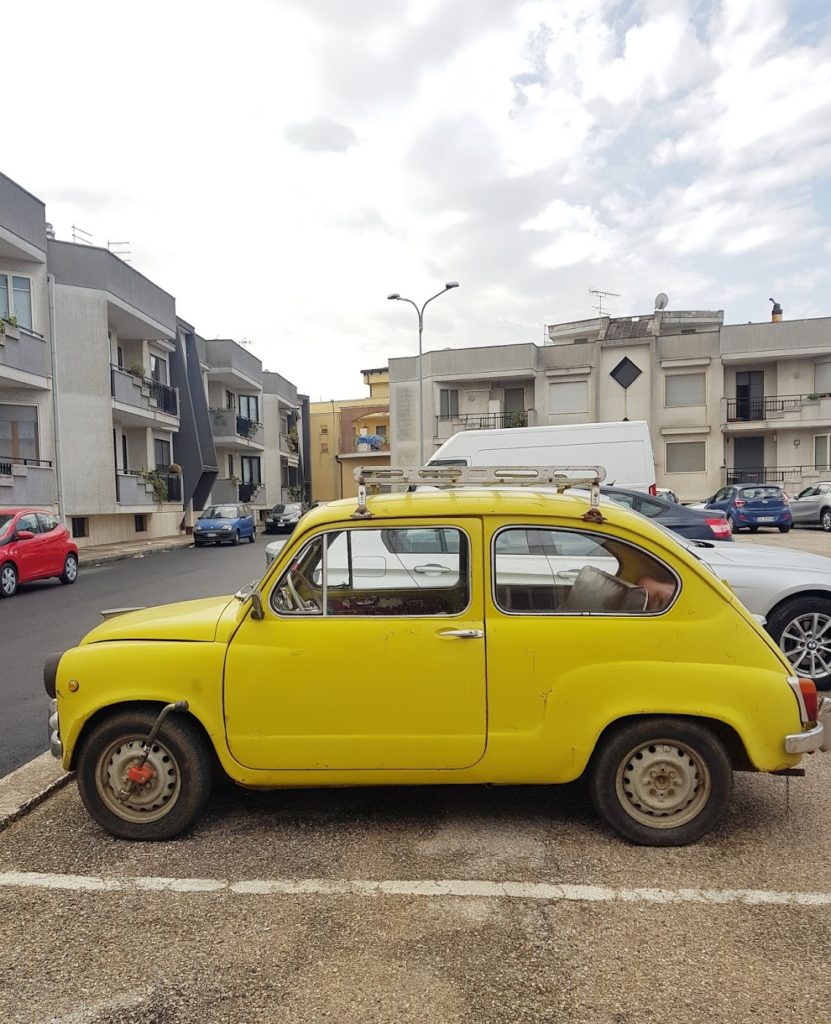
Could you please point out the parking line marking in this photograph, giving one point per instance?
(542, 891)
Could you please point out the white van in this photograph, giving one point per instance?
(624, 449)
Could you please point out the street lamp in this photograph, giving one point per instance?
(400, 298)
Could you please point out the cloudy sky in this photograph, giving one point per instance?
(280, 166)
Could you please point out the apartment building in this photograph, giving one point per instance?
(283, 465)
(347, 433)
(27, 437)
(723, 402)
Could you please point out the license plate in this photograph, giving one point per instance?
(210, 534)
(766, 519)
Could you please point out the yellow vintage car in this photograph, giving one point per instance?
(466, 635)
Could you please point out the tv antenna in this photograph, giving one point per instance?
(123, 254)
(81, 237)
(601, 295)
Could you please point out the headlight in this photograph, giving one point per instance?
(228, 527)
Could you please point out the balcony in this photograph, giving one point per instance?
(793, 475)
(26, 482)
(231, 491)
(139, 401)
(234, 431)
(232, 366)
(288, 445)
(133, 488)
(772, 411)
(451, 424)
(25, 359)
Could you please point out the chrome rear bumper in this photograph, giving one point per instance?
(818, 737)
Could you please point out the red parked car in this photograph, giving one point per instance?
(34, 545)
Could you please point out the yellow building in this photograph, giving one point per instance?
(347, 433)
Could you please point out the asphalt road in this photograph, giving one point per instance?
(46, 617)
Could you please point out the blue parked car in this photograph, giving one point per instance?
(749, 506)
(224, 524)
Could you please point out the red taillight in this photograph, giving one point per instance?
(786, 499)
(809, 695)
(653, 490)
(739, 502)
(719, 526)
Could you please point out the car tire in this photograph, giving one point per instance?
(8, 580)
(253, 536)
(792, 626)
(731, 522)
(235, 540)
(173, 798)
(70, 569)
(784, 529)
(753, 529)
(661, 781)
(825, 519)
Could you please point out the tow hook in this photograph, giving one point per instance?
(141, 773)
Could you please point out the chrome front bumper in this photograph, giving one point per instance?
(55, 745)
(816, 738)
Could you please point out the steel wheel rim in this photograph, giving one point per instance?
(663, 784)
(8, 580)
(806, 643)
(146, 803)
(70, 568)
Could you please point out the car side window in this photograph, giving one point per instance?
(47, 523)
(581, 573)
(378, 572)
(648, 508)
(28, 522)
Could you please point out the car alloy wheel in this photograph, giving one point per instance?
(805, 641)
(8, 580)
(70, 569)
(825, 520)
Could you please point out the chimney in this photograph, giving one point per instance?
(776, 312)
(50, 231)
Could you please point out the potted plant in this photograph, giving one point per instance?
(174, 469)
(137, 370)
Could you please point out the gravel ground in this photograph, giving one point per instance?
(800, 538)
(172, 958)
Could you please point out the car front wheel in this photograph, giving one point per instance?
(8, 580)
(235, 541)
(802, 629)
(70, 570)
(825, 520)
(661, 781)
(178, 785)
(731, 522)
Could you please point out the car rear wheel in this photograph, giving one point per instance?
(753, 529)
(8, 580)
(174, 795)
(802, 629)
(784, 529)
(253, 536)
(70, 569)
(235, 541)
(731, 522)
(661, 781)
(825, 520)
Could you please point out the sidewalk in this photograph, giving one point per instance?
(132, 549)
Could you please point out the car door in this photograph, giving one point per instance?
(349, 670)
(54, 546)
(29, 552)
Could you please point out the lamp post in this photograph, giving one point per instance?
(420, 312)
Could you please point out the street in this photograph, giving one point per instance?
(46, 617)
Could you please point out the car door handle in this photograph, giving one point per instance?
(432, 567)
(463, 634)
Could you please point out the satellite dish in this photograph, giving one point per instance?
(661, 300)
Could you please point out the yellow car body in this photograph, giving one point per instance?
(486, 695)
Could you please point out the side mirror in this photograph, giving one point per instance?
(257, 606)
(23, 535)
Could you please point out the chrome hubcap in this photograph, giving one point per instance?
(826, 521)
(7, 580)
(662, 784)
(147, 801)
(806, 643)
(71, 568)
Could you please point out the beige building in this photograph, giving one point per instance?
(722, 403)
(348, 433)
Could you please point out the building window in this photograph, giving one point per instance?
(625, 373)
(448, 403)
(249, 407)
(230, 465)
(79, 526)
(822, 379)
(250, 469)
(16, 299)
(324, 430)
(683, 389)
(141, 522)
(19, 432)
(686, 456)
(158, 369)
(822, 451)
(230, 400)
(570, 396)
(119, 356)
(162, 453)
(324, 446)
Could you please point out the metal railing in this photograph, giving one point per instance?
(742, 409)
(170, 488)
(484, 420)
(165, 397)
(7, 461)
(766, 474)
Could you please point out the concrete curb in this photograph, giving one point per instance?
(29, 785)
(117, 556)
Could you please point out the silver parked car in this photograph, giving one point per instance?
(790, 589)
(813, 505)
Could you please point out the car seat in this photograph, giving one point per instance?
(597, 591)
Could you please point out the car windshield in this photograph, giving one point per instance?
(5, 519)
(220, 512)
(291, 510)
(278, 509)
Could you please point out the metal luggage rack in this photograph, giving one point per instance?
(559, 477)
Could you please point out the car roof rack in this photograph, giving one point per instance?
(559, 477)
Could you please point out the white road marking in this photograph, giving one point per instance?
(541, 891)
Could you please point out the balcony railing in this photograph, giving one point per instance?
(371, 443)
(135, 488)
(7, 461)
(143, 392)
(226, 422)
(762, 408)
(767, 474)
(484, 420)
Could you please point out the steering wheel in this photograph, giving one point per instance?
(299, 603)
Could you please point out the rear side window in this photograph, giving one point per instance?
(574, 572)
(47, 523)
